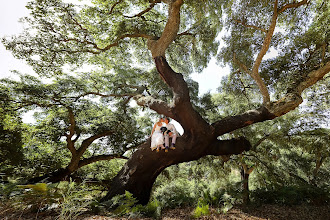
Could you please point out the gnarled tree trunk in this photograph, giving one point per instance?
(200, 139)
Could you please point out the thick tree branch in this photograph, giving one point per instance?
(114, 5)
(174, 80)
(288, 103)
(158, 47)
(292, 100)
(232, 123)
(313, 77)
(292, 5)
(93, 159)
(185, 113)
(152, 5)
(265, 46)
(87, 142)
(157, 105)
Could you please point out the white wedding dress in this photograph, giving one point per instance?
(157, 138)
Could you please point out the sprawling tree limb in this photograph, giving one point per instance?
(188, 117)
(292, 100)
(151, 6)
(313, 77)
(114, 5)
(232, 123)
(265, 46)
(174, 80)
(87, 142)
(288, 103)
(292, 5)
(157, 105)
(158, 47)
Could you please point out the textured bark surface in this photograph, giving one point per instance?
(141, 170)
(200, 139)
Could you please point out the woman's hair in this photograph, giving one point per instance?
(164, 117)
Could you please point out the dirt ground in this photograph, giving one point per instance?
(265, 212)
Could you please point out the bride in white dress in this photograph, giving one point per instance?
(157, 137)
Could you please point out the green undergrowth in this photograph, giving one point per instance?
(70, 200)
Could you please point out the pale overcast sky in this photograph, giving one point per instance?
(11, 11)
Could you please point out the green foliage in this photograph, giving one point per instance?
(75, 200)
(122, 204)
(291, 195)
(177, 194)
(83, 33)
(126, 205)
(66, 199)
(289, 154)
(11, 151)
(7, 191)
(33, 198)
(202, 209)
(101, 170)
(153, 209)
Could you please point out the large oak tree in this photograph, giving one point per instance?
(179, 37)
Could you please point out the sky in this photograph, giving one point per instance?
(10, 13)
(12, 10)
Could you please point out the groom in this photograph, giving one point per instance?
(170, 133)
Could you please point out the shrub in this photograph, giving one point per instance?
(291, 195)
(202, 209)
(177, 194)
(126, 205)
(75, 199)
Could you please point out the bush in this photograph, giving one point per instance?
(291, 195)
(75, 199)
(67, 199)
(177, 194)
(126, 205)
(202, 209)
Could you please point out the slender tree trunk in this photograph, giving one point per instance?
(245, 186)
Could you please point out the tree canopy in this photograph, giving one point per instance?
(101, 55)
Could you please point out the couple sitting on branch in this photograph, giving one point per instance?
(161, 134)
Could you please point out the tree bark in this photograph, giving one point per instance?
(245, 187)
(141, 170)
(200, 139)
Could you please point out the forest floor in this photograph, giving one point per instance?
(264, 212)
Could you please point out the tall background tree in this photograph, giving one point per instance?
(127, 39)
